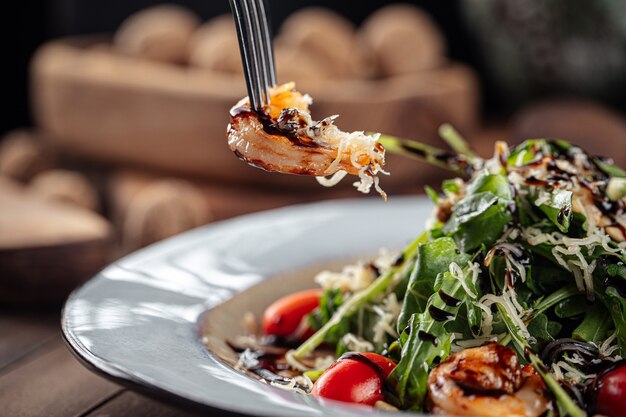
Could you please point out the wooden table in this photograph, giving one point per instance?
(40, 377)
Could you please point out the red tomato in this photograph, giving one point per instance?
(284, 315)
(611, 392)
(357, 378)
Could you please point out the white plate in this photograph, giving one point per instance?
(137, 321)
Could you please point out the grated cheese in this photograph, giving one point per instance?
(457, 273)
(508, 301)
(294, 363)
(294, 384)
(356, 344)
(387, 314)
(354, 277)
(333, 179)
(486, 326)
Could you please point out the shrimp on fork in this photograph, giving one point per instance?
(486, 381)
(284, 138)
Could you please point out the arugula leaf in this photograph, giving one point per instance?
(451, 186)
(525, 152)
(608, 168)
(430, 192)
(480, 217)
(477, 219)
(330, 301)
(433, 258)
(543, 330)
(428, 341)
(496, 184)
(609, 284)
(558, 208)
(595, 325)
(573, 307)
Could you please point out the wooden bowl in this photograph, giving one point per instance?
(47, 248)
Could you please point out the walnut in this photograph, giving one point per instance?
(22, 156)
(163, 209)
(160, 33)
(68, 186)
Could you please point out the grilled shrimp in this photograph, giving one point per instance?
(283, 138)
(486, 381)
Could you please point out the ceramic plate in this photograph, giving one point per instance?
(139, 321)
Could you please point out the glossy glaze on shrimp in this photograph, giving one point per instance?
(486, 381)
(283, 138)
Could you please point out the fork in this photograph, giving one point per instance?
(255, 46)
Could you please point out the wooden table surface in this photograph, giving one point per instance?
(40, 377)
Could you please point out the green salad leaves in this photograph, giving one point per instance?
(528, 249)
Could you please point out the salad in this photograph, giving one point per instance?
(512, 302)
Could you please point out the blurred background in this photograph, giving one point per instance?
(114, 115)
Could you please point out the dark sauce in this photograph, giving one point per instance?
(555, 350)
(618, 283)
(528, 352)
(399, 260)
(534, 163)
(508, 277)
(609, 207)
(448, 299)
(534, 181)
(444, 157)
(563, 213)
(374, 269)
(439, 314)
(289, 130)
(418, 152)
(427, 337)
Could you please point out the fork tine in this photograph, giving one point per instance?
(265, 41)
(260, 53)
(247, 48)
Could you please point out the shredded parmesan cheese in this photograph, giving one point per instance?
(332, 180)
(457, 273)
(508, 301)
(294, 363)
(356, 344)
(387, 314)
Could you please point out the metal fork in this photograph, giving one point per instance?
(255, 45)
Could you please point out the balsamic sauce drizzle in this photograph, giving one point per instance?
(448, 299)
(272, 128)
(439, 314)
(427, 337)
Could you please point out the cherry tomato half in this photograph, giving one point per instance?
(355, 378)
(283, 316)
(611, 392)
